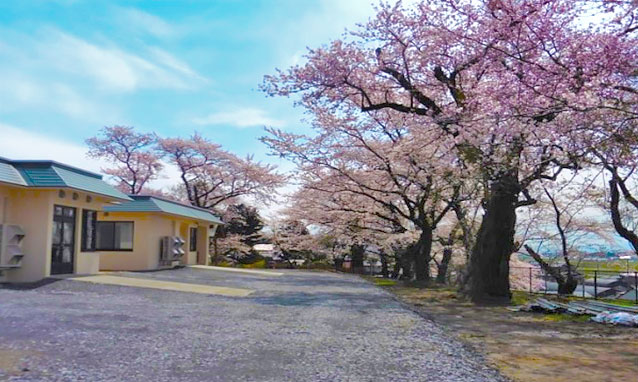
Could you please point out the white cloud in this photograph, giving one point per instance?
(240, 117)
(114, 69)
(18, 143)
(19, 92)
(57, 72)
(151, 24)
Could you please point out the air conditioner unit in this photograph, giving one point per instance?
(11, 238)
(171, 249)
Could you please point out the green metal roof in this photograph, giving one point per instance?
(50, 174)
(147, 203)
(9, 174)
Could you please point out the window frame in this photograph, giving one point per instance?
(114, 223)
(83, 246)
(192, 244)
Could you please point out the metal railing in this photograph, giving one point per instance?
(592, 283)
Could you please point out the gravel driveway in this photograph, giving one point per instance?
(303, 326)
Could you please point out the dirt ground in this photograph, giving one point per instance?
(533, 347)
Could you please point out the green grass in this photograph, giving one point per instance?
(615, 266)
(560, 317)
(384, 282)
(619, 302)
(521, 298)
(259, 264)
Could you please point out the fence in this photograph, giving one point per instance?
(592, 283)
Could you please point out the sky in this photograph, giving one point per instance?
(70, 67)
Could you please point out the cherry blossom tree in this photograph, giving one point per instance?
(517, 88)
(294, 240)
(621, 201)
(211, 176)
(366, 165)
(564, 219)
(241, 231)
(353, 222)
(131, 153)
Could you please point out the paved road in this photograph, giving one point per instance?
(302, 326)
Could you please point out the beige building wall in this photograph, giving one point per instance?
(149, 228)
(32, 209)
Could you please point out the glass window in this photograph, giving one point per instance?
(193, 239)
(115, 236)
(89, 221)
(124, 235)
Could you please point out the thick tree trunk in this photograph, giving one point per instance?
(568, 286)
(441, 275)
(356, 256)
(488, 273)
(422, 255)
(407, 262)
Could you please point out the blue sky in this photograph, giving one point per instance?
(68, 68)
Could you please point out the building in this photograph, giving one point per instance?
(48, 217)
(265, 250)
(151, 233)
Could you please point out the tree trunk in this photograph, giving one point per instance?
(407, 261)
(616, 216)
(488, 273)
(566, 284)
(397, 267)
(384, 265)
(215, 258)
(422, 255)
(356, 257)
(441, 275)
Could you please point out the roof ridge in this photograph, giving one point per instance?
(175, 202)
(52, 163)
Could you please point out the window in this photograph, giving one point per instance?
(114, 236)
(193, 239)
(89, 220)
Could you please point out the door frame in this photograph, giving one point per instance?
(58, 268)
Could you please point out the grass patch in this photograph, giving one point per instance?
(521, 298)
(384, 282)
(259, 264)
(618, 302)
(588, 267)
(561, 317)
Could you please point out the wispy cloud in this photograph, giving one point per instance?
(57, 72)
(114, 69)
(21, 92)
(240, 117)
(20, 143)
(154, 25)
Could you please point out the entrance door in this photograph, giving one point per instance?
(63, 248)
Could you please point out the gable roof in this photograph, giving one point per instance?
(148, 203)
(51, 174)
